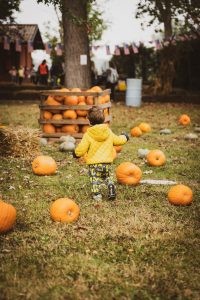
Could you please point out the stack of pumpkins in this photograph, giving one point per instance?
(71, 113)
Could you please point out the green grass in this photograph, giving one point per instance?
(138, 247)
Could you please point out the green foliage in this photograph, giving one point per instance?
(7, 8)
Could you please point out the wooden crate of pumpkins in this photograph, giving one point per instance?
(64, 111)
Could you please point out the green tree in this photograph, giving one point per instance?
(81, 24)
(168, 13)
(7, 8)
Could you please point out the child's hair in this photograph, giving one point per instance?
(95, 115)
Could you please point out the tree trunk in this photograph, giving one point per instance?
(76, 43)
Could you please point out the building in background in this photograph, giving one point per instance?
(17, 41)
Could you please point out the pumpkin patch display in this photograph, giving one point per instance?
(128, 173)
(184, 120)
(44, 165)
(156, 158)
(64, 210)
(180, 195)
(136, 131)
(7, 216)
(144, 127)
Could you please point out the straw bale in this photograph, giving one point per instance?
(19, 142)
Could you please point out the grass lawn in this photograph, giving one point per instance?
(137, 247)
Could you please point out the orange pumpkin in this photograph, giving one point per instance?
(136, 131)
(84, 128)
(75, 89)
(64, 210)
(145, 127)
(51, 101)
(81, 99)
(7, 216)
(49, 128)
(47, 115)
(44, 165)
(128, 173)
(156, 158)
(64, 90)
(180, 195)
(59, 98)
(57, 117)
(89, 100)
(96, 89)
(81, 112)
(184, 120)
(72, 128)
(69, 114)
(71, 100)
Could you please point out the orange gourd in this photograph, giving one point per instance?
(84, 128)
(180, 195)
(44, 165)
(57, 117)
(128, 173)
(71, 100)
(136, 131)
(75, 89)
(64, 210)
(47, 115)
(156, 158)
(69, 114)
(49, 128)
(7, 216)
(96, 89)
(51, 101)
(89, 100)
(184, 120)
(81, 113)
(145, 127)
(72, 128)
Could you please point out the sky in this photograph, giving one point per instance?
(118, 14)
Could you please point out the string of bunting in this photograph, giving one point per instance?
(126, 49)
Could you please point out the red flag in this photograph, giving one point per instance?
(18, 45)
(117, 50)
(30, 46)
(6, 43)
(135, 48)
(48, 48)
(126, 49)
(59, 51)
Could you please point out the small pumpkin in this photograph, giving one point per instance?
(71, 100)
(49, 128)
(180, 195)
(184, 120)
(57, 117)
(136, 131)
(84, 128)
(89, 100)
(81, 112)
(71, 129)
(142, 153)
(145, 127)
(51, 101)
(156, 158)
(69, 114)
(128, 173)
(44, 165)
(47, 115)
(96, 89)
(64, 210)
(7, 216)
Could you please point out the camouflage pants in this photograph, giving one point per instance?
(99, 174)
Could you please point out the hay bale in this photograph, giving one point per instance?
(19, 142)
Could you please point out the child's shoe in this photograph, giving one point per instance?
(97, 197)
(111, 192)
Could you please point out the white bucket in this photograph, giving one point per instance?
(133, 92)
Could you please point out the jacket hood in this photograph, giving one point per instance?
(99, 132)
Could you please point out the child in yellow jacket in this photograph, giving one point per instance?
(98, 144)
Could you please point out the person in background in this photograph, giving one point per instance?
(97, 144)
(43, 72)
(33, 75)
(20, 75)
(94, 75)
(112, 79)
(13, 74)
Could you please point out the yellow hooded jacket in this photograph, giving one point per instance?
(98, 143)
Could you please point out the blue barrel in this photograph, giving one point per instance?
(133, 92)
